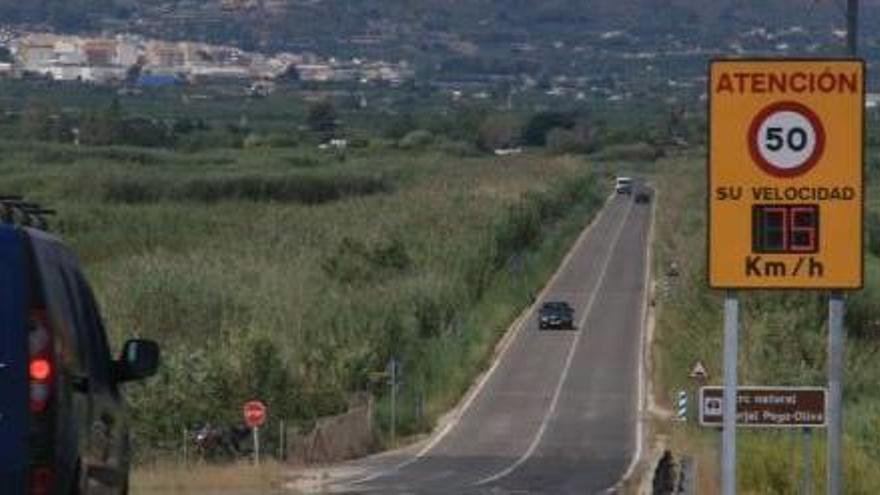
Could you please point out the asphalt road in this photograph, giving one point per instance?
(558, 412)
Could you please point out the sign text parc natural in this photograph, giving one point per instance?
(785, 174)
(785, 407)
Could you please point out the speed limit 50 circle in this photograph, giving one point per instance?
(786, 139)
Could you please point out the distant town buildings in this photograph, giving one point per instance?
(118, 59)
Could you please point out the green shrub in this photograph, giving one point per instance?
(305, 189)
(132, 190)
(236, 369)
(541, 124)
(302, 161)
(59, 156)
(630, 152)
(872, 229)
(561, 141)
(356, 263)
(210, 140)
(127, 155)
(416, 139)
(458, 149)
(273, 140)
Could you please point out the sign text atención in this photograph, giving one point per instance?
(785, 174)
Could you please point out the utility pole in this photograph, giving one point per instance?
(852, 27)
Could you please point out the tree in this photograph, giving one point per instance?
(36, 121)
(400, 125)
(290, 74)
(578, 139)
(461, 125)
(500, 131)
(103, 127)
(139, 131)
(322, 119)
(561, 141)
(537, 127)
(45, 123)
(133, 74)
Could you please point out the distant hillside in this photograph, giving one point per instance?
(407, 27)
(315, 15)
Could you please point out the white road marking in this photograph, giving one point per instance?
(571, 352)
(485, 378)
(642, 350)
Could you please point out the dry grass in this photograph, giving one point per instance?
(702, 448)
(236, 479)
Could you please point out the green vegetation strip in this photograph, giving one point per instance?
(255, 292)
(782, 342)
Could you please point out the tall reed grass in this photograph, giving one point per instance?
(264, 278)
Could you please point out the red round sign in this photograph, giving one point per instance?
(786, 139)
(254, 413)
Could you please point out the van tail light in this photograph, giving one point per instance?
(42, 480)
(40, 366)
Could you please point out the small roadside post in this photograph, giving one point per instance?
(254, 417)
(185, 446)
(282, 440)
(682, 406)
(393, 380)
(699, 376)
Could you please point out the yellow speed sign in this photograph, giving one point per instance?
(785, 174)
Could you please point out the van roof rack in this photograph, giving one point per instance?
(15, 210)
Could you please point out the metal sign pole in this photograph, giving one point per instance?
(393, 399)
(185, 446)
(728, 435)
(282, 441)
(835, 324)
(256, 430)
(807, 482)
(835, 391)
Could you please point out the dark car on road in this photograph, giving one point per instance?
(556, 314)
(643, 195)
(63, 421)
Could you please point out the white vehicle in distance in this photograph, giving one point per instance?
(623, 185)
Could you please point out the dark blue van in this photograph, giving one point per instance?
(63, 424)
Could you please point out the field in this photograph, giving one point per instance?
(782, 342)
(239, 479)
(294, 275)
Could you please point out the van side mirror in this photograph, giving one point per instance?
(139, 360)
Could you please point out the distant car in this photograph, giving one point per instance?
(623, 185)
(643, 196)
(556, 314)
(63, 421)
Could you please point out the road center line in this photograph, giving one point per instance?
(519, 325)
(644, 348)
(569, 359)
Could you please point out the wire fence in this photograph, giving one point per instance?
(330, 439)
